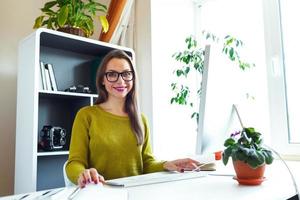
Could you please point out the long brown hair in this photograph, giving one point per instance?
(131, 102)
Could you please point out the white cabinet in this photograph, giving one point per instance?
(75, 61)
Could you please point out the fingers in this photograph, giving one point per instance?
(101, 179)
(181, 165)
(94, 175)
(191, 164)
(89, 176)
(81, 181)
(173, 166)
(96, 178)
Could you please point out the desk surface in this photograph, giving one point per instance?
(278, 185)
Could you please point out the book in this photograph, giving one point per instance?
(52, 77)
(207, 161)
(42, 76)
(47, 77)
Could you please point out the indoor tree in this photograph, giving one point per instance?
(191, 61)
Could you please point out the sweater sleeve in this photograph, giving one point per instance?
(149, 163)
(78, 153)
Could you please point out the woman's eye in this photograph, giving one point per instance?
(126, 74)
(112, 74)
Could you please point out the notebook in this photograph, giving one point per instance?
(157, 177)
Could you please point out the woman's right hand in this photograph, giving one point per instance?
(89, 176)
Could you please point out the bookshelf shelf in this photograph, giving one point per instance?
(53, 153)
(61, 93)
(74, 61)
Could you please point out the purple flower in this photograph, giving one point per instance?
(232, 135)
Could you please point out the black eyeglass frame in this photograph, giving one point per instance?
(119, 74)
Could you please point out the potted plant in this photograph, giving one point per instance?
(248, 155)
(72, 16)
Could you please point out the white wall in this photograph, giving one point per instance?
(16, 21)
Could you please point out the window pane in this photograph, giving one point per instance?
(243, 20)
(290, 16)
(174, 132)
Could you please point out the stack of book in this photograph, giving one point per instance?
(47, 77)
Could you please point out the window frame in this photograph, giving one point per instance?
(276, 81)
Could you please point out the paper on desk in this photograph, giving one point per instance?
(93, 191)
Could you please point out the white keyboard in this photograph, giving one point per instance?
(157, 177)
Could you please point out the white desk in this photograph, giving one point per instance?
(277, 186)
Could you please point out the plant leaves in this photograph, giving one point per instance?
(226, 154)
(50, 4)
(229, 142)
(179, 72)
(186, 71)
(268, 156)
(252, 163)
(260, 158)
(241, 155)
(38, 21)
(104, 23)
(231, 54)
(62, 16)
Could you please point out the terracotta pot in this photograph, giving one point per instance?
(247, 175)
(72, 30)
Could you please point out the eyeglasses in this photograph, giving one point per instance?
(114, 76)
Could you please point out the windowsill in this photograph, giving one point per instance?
(291, 157)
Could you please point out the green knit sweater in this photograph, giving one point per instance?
(106, 142)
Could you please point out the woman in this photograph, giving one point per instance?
(111, 138)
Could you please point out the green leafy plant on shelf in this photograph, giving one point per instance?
(60, 14)
(191, 61)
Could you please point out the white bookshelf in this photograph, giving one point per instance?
(74, 60)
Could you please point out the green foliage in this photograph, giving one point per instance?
(71, 13)
(191, 61)
(246, 146)
(230, 48)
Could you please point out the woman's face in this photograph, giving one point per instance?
(118, 78)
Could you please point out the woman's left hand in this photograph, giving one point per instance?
(181, 165)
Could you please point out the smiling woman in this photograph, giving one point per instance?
(111, 138)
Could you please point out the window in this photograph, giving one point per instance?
(290, 35)
(281, 18)
(243, 20)
(269, 32)
(174, 132)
